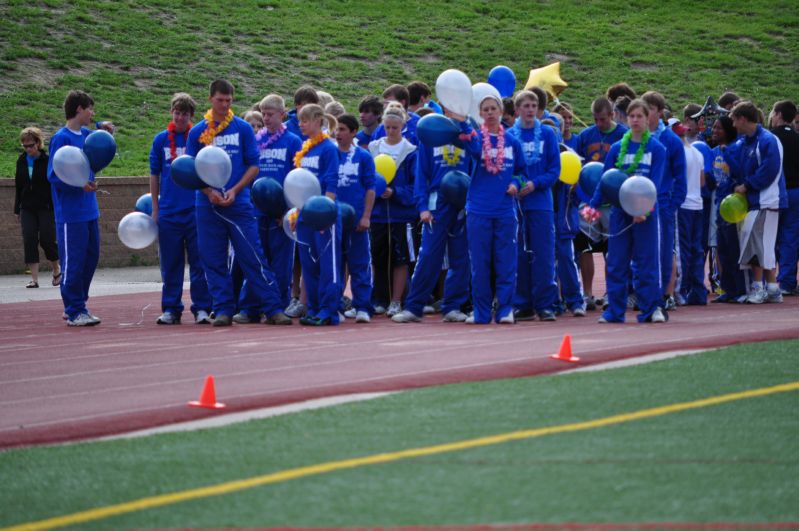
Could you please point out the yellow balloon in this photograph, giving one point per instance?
(385, 166)
(548, 78)
(569, 167)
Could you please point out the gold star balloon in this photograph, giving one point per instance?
(548, 78)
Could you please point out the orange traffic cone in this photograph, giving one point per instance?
(208, 396)
(565, 352)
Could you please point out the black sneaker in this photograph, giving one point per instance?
(279, 318)
(222, 320)
(524, 315)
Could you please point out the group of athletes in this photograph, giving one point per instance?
(522, 247)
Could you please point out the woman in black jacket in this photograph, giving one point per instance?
(33, 205)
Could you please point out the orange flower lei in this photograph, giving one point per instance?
(307, 146)
(207, 137)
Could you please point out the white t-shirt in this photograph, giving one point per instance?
(694, 164)
(392, 151)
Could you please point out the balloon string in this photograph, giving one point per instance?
(140, 321)
(613, 235)
(252, 248)
(556, 101)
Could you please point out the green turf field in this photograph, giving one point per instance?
(733, 462)
(133, 55)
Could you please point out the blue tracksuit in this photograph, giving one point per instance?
(356, 176)
(671, 194)
(447, 232)
(216, 226)
(177, 232)
(274, 162)
(761, 171)
(593, 145)
(320, 256)
(727, 177)
(638, 243)
(573, 142)
(567, 225)
(491, 225)
(78, 233)
(788, 235)
(362, 139)
(536, 285)
(409, 131)
(292, 124)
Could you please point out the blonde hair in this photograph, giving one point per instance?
(254, 114)
(525, 95)
(395, 110)
(313, 111)
(33, 133)
(335, 108)
(324, 98)
(272, 101)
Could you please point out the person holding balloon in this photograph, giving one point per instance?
(536, 288)
(725, 166)
(320, 256)
(395, 159)
(226, 146)
(443, 225)
(356, 188)
(633, 238)
(76, 210)
(277, 147)
(173, 211)
(491, 217)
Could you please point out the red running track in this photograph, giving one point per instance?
(60, 384)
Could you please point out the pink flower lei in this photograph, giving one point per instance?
(259, 136)
(495, 165)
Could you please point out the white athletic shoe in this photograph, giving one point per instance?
(83, 319)
(168, 318)
(757, 296)
(657, 316)
(406, 316)
(508, 319)
(202, 317)
(351, 313)
(393, 309)
(469, 320)
(455, 316)
(295, 308)
(379, 310)
(774, 296)
(362, 317)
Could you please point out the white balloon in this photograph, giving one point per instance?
(300, 185)
(137, 230)
(454, 91)
(213, 166)
(480, 91)
(71, 165)
(637, 196)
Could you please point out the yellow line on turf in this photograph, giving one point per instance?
(323, 468)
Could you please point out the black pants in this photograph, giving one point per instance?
(389, 244)
(38, 228)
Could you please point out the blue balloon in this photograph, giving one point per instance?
(100, 148)
(436, 130)
(348, 217)
(145, 204)
(610, 184)
(380, 185)
(184, 174)
(590, 176)
(454, 188)
(267, 195)
(319, 212)
(503, 79)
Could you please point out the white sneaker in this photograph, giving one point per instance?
(774, 296)
(657, 316)
(508, 319)
(393, 309)
(243, 318)
(295, 308)
(64, 316)
(362, 317)
(168, 318)
(428, 309)
(202, 317)
(455, 316)
(469, 320)
(83, 319)
(352, 313)
(94, 318)
(757, 296)
(579, 312)
(406, 316)
(380, 310)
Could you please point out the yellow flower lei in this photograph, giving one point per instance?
(453, 158)
(307, 146)
(207, 137)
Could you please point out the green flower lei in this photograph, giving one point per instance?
(639, 155)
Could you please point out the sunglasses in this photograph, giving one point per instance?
(28, 146)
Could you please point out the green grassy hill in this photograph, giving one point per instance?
(132, 56)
